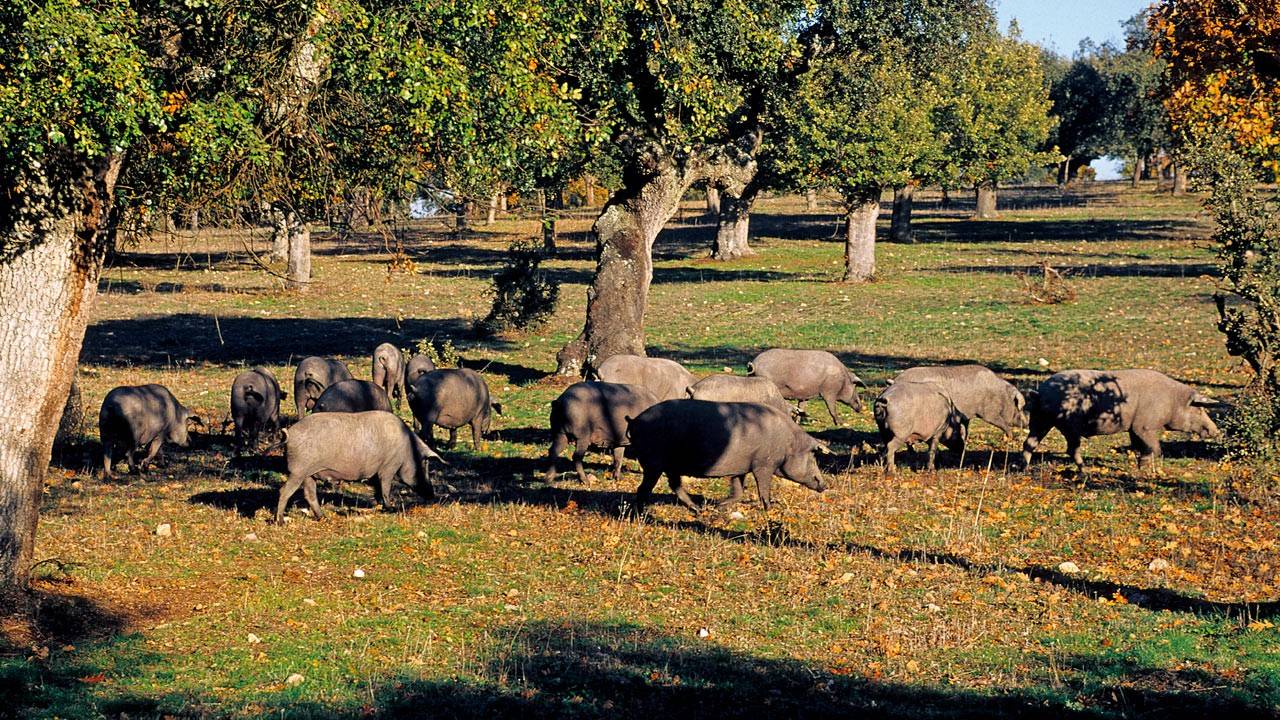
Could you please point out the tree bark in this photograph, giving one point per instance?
(299, 269)
(900, 225)
(860, 236)
(589, 190)
(461, 217)
(986, 193)
(1179, 179)
(1139, 167)
(502, 202)
(550, 220)
(654, 182)
(811, 200)
(733, 227)
(1064, 171)
(713, 201)
(279, 234)
(193, 221)
(52, 244)
(492, 217)
(946, 197)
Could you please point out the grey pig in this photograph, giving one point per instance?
(313, 375)
(908, 412)
(255, 405)
(373, 445)
(351, 396)
(666, 379)
(976, 392)
(700, 438)
(452, 398)
(134, 417)
(593, 414)
(1085, 403)
(805, 374)
(389, 371)
(418, 366)
(733, 388)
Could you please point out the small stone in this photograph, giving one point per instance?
(932, 608)
(254, 639)
(1068, 568)
(294, 680)
(510, 608)
(737, 515)
(164, 530)
(1042, 362)
(251, 537)
(358, 573)
(1159, 565)
(308, 601)
(704, 633)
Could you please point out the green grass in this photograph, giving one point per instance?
(928, 595)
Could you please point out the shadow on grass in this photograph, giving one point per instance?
(1131, 269)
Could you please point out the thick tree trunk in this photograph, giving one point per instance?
(51, 250)
(193, 221)
(946, 197)
(461, 217)
(589, 191)
(299, 269)
(860, 237)
(1179, 179)
(986, 193)
(713, 201)
(492, 217)
(502, 202)
(811, 200)
(1139, 167)
(733, 228)
(279, 234)
(900, 225)
(652, 187)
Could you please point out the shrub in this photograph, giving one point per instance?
(442, 355)
(524, 296)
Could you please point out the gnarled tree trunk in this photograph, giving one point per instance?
(299, 269)
(52, 243)
(713, 201)
(860, 236)
(900, 224)
(733, 228)
(986, 193)
(653, 184)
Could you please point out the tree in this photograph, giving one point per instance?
(995, 110)
(1080, 102)
(1137, 124)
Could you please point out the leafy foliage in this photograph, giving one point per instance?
(524, 296)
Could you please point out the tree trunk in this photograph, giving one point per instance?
(492, 217)
(550, 220)
(50, 260)
(279, 235)
(502, 202)
(653, 184)
(946, 197)
(1139, 167)
(299, 269)
(461, 217)
(733, 228)
(589, 190)
(1179, 179)
(900, 225)
(860, 236)
(1064, 171)
(193, 220)
(986, 201)
(713, 201)
(811, 200)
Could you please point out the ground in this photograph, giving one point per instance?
(927, 595)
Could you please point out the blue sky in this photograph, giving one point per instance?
(1060, 25)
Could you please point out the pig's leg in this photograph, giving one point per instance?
(107, 461)
(153, 449)
(830, 402)
(677, 486)
(1035, 433)
(1073, 449)
(476, 435)
(383, 490)
(933, 453)
(1147, 443)
(558, 443)
(313, 500)
(764, 485)
(645, 491)
(890, 451)
(453, 436)
(286, 491)
(579, 452)
(735, 491)
(618, 455)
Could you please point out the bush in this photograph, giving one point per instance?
(524, 296)
(442, 355)
(1249, 426)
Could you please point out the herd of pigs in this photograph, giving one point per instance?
(652, 410)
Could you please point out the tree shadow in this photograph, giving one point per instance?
(1071, 271)
(112, 286)
(248, 501)
(1021, 231)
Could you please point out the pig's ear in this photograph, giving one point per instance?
(1201, 400)
(497, 407)
(857, 380)
(193, 418)
(427, 452)
(821, 447)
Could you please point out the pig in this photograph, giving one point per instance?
(313, 375)
(732, 388)
(976, 392)
(352, 396)
(452, 398)
(908, 412)
(141, 416)
(805, 374)
(389, 371)
(374, 445)
(666, 379)
(255, 405)
(418, 366)
(593, 414)
(1085, 403)
(701, 438)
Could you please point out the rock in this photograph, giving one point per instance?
(1068, 568)
(704, 633)
(358, 573)
(254, 639)
(932, 608)
(294, 680)
(1159, 565)
(164, 530)
(251, 537)
(737, 515)
(1042, 362)
(308, 601)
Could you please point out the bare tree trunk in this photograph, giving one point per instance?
(811, 200)
(900, 225)
(461, 217)
(713, 200)
(299, 269)
(860, 236)
(986, 201)
(1139, 167)
(492, 217)
(618, 297)
(51, 250)
(279, 234)
(733, 228)
(1064, 171)
(193, 221)
(946, 197)
(502, 202)
(589, 190)
(1179, 179)
(550, 220)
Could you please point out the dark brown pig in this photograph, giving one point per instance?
(255, 406)
(452, 398)
(733, 388)
(351, 396)
(375, 446)
(976, 392)
(389, 371)
(137, 417)
(908, 412)
(594, 415)
(313, 375)
(418, 366)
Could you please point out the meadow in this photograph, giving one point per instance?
(975, 591)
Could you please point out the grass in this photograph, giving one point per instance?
(928, 595)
